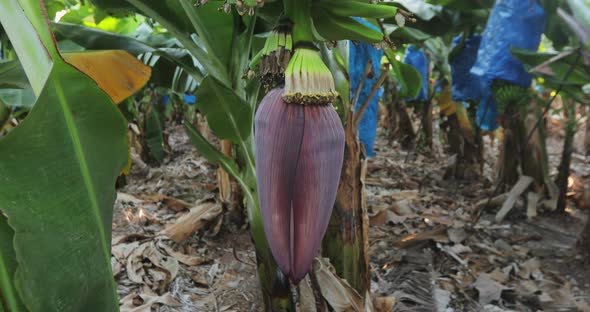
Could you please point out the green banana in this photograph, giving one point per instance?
(357, 8)
(506, 93)
(333, 27)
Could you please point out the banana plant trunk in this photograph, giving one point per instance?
(223, 178)
(587, 135)
(404, 131)
(566, 155)
(399, 121)
(518, 151)
(426, 133)
(274, 285)
(346, 240)
(468, 149)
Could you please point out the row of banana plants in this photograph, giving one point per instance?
(59, 165)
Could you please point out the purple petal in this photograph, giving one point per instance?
(316, 184)
(278, 135)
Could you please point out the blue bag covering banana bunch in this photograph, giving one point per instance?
(512, 23)
(360, 53)
(416, 57)
(466, 86)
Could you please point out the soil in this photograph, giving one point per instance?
(453, 264)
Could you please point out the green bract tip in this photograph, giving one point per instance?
(308, 81)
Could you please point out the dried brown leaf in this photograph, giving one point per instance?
(336, 291)
(489, 290)
(181, 257)
(194, 220)
(384, 304)
(144, 302)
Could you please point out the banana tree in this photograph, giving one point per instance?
(58, 170)
(222, 42)
(564, 71)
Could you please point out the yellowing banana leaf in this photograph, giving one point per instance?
(116, 72)
(448, 107)
(58, 170)
(463, 119)
(445, 102)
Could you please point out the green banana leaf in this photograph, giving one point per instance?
(18, 97)
(405, 34)
(174, 14)
(58, 170)
(554, 66)
(15, 90)
(10, 300)
(154, 137)
(12, 75)
(229, 116)
(406, 77)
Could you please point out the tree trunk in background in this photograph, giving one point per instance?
(518, 155)
(509, 158)
(399, 122)
(346, 239)
(587, 134)
(230, 193)
(426, 133)
(223, 179)
(566, 155)
(535, 159)
(404, 131)
(463, 144)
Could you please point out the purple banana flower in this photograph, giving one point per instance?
(299, 154)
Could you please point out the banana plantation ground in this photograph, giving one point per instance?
(176, 247)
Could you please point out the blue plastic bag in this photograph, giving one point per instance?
(188, 99)
(487, 113)
(359, 55)
(416, 57)
(466, 86)
(512, 23)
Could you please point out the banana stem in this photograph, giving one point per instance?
(299, 13)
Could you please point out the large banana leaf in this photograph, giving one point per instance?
(99, 65)
(57, 174)
(205, 22)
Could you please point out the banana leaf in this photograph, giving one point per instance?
(58, 169)
(12, 75)
(10, 300)
(138, 44)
